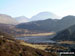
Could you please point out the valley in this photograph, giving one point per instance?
(50, 36)
(37, 28)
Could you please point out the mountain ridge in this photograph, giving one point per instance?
(49, 24)
(6, 19)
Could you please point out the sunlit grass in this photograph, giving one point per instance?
(38, 34)
(67, 42)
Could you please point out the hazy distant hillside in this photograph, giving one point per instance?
(7, 19)
(68, 34)
(49, 24)
(43, 16)
(22, 19)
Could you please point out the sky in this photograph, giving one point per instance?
(29, 8)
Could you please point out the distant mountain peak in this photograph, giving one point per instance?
(43, 16)
(22, 19)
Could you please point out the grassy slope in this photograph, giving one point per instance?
(44, 46)
(11, 47)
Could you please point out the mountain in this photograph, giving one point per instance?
(11, 47)
(43, 16)
(67, 34)
(5, 19)
(41, 25)
(49, 25)
(65, 22)
(22, 19)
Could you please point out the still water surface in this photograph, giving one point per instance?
(36, 39)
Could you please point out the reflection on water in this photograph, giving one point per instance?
(36, 39)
